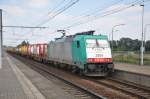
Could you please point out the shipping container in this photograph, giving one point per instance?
(38, 50)
(23, 50)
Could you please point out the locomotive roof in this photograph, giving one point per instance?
(77, 36)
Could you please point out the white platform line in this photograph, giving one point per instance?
(30, 90)
(0, 62)
(0, 52)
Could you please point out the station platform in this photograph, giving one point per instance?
(137, 69)
(19, 81)
(136, 74)
(13, 83)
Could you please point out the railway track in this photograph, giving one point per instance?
(92, 87)
(75, 89)
(69, 87)
(126, 87)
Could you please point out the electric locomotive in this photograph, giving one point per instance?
(83, 52)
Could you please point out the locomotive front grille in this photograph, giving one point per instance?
(99, 68)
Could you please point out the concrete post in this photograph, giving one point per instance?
(142, 47)
(1, 41)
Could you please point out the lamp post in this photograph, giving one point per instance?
(113, 33)
(145, 30)
(110, 35)
(142, 48)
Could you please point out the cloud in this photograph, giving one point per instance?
(38, 3)
(131, 17)
(14, 10)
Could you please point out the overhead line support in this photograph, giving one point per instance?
(24, 27)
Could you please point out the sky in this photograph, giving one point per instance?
(89, 12)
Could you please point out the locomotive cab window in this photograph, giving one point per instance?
(78, 44)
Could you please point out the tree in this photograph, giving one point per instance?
(23, 43)
(147, 46)
(136, 44)
(127, 44)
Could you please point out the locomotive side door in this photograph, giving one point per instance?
(77, 53)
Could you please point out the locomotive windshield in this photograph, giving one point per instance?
(92, 43)
(96, 49)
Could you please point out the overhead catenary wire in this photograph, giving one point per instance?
(98, 9)
(109, 12)
(102, 14)
(106, 13)
(60, 3)
(69, 5)
(89, 14)
(58, 12)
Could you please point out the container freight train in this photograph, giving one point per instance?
(84, 53)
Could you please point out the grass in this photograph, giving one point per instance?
(130, 57)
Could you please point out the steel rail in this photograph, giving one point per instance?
(125, 87)
(90, 92)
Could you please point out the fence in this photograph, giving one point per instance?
(130, 57)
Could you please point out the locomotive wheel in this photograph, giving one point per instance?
(81, 72)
